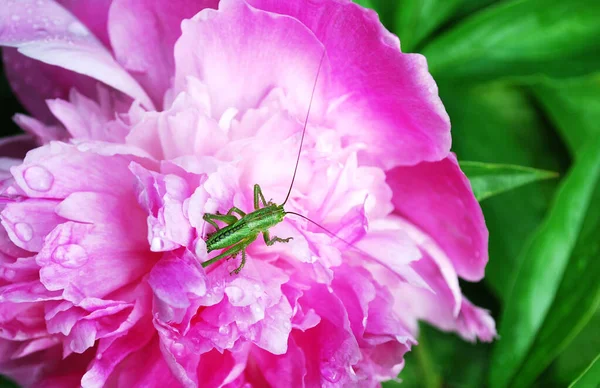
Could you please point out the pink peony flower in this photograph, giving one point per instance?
(149, 114)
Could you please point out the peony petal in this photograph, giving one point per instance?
(33, 82)
(27, 231)
(143, 34)
(42, 132)
(16, 146)
(55, 171)
(92, 13)
(387, 99)
(76, 259)
(287, 370)
(437, 198)
(257, 38)
(67, 44)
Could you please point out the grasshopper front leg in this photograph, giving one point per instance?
(258, 195)
(270, 241)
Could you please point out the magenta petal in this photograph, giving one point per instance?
(287, 370)
(437, 198)
(69, 44)
(92, 13)
(112, 351)
(33, 82)
(143, 34)
(390, 93)
(16, 146)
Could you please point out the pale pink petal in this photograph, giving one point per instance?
(68, 44)
(44, 133)
(87, 119)
(437, 198)
(44, 173)
(143, 34)
(258, 37)
(25, 231)
(76, 259)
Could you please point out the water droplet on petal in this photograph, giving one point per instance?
(70, 255)
(177, 349)
(330, 374)
(224, 330)
(23, 231)
(235, 294)
(99, 356)
(78, 29)
(38, 178)
(157, 244)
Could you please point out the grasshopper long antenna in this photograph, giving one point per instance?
(329, 232)
(366, 255)
(304, 130)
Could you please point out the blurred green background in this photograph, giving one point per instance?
(521, 83)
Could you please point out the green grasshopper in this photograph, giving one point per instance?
(241, 232)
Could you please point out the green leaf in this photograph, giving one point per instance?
(6, 383)
(564, 244)
(590, 377)
(574, 106)
(415, 20)
(497, 123)
(488, 179)
(577, 299)
(365, 3)
(579, 354)
(521, 38)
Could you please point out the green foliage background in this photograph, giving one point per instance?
(520, 80)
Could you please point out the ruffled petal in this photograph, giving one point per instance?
(385, 98)
(143, 35)
(67, 44)
(437, 198)
(257, 39)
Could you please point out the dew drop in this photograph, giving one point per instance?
(38, 178)
(70, 255)
(330, 374)
(23, 231)
(177, 349)
(224, 330)
(99, 356)
(157, 244)
(78, 29)
(235, 294)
